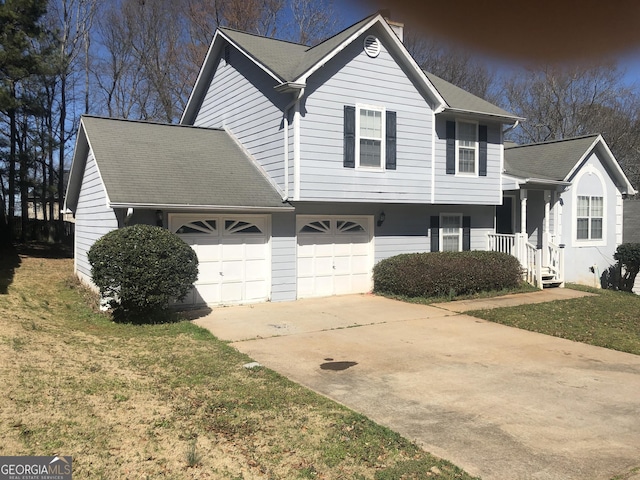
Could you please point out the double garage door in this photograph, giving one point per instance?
(334, 255)
(233, 255)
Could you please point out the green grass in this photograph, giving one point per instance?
(168, 400)
(608, 319)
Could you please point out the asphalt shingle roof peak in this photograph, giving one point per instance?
(549, 142)
(148, 122)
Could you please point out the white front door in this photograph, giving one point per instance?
(233, 257)
(334, 255)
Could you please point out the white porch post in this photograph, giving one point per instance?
(523, 211)
(546, 232)
(521, 237)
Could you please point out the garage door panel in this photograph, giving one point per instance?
(328, 257)
(232, 254)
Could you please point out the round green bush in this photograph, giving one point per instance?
(446, 274)
(628, 257)
(141, 268)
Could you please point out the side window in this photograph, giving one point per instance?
(369, 137)
(451, 233)
(590, 218)
(466, 148)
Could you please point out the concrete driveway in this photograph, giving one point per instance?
(501, 403)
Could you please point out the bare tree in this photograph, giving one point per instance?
(455, 65)
(561, 103)
(313, 21)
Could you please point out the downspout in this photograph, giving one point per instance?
(300, 93)
(507, 130)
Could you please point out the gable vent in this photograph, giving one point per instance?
(372, 46)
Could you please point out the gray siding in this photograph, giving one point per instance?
(353, 78)
(586, 262)
(93, 217)
(468, 189)
(283, 257)
(242, 100)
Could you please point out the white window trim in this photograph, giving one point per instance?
(589, 169)
(383, 133)
(441, 231)
(476, 166)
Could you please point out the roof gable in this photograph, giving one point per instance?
(291, 63)
(559, 160)
(160, 165)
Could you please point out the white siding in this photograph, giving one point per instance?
(353, 78)
(585, 263)
(93, 217)
(242, 100)
(283, 257)
(468, 189)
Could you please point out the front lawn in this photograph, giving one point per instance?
(166, 401)
(610, 319)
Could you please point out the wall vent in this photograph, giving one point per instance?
(372, 46)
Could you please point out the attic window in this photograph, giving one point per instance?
(372, 46)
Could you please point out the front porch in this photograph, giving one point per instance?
(542, 267)
(531, 234)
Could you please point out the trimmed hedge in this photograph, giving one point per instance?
(140, 269)
(446, 274)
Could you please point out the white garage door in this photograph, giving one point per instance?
(335, 255)
(232, 254)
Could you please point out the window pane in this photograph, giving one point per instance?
(596, 228)
(466, 134)
(450, 243)
(467, 161)
(597, 207)
(583, 206)
(370, 153)
(371, 123)
(583, 228)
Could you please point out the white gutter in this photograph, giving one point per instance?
(225, 208)
(299, 88)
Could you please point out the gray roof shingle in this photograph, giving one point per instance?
(161, 164)
(547, 161)
(460, 99)
(286, 59)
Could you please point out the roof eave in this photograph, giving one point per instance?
(532, 180)
(496, 116)
(183, 207)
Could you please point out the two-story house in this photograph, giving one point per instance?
(295, 169)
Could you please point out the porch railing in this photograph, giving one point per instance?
(555, 263)
(530, 257)
(533, 260)
(500, 242)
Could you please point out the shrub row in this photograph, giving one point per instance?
(446, 273)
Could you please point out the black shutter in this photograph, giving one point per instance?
(482, 136)
(434, 231)
(390, 163)
(466, 233)
(451, 148)
(349, 136)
